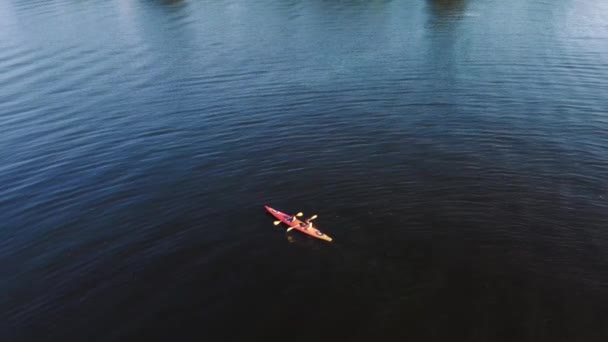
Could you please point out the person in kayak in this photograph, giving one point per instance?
(306, 224)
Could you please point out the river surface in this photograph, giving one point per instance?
(456, 151)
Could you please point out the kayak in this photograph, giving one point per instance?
(293, 222)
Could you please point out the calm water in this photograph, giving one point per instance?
(457, 151)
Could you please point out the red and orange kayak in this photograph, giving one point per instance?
(292, 221)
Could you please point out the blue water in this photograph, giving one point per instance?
(456, 151)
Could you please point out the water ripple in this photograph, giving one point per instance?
(458, 160)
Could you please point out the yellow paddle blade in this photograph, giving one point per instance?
(290, 228)
(313, 217)
(300, 214)
(276, 223)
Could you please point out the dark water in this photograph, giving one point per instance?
(457, 151)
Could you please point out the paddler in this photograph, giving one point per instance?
(306, 224)
(309, 221)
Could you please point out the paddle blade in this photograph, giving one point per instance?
(290, 228)
(300, 214)
(276, 223)
(313, 217)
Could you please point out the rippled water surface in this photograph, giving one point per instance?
(456, 151)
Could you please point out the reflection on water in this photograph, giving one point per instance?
(444, 50)
(444, 12)
(174, 2)
(446, 8)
